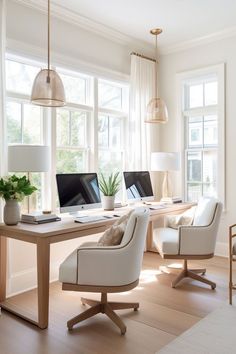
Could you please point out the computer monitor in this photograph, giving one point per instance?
(138, 186)
(78, 191)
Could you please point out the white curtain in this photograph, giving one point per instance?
(3, 137)
(142, 86)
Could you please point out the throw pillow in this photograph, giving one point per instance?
(186, 218)
(113, 236)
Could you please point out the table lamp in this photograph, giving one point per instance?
(165, 161)
(28, 158)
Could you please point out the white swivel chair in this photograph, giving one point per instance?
(196, 241)
(104, 270)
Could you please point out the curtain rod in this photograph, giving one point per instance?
(142, 56)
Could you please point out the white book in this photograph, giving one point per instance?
(171, 200)
(36, 216)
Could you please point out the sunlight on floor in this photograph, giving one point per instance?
(149, 276)
(171, 268)
(175, 265)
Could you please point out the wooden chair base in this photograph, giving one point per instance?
(193, 274)
(105, 307)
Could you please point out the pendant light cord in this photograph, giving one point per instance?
(48, 77)
(156, 68)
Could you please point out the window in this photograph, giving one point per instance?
(71, 141)
(111, 95)
(110, 129)
(203, 125)
(24, 121)
(86, 135)
(76, 88)
(73, 124)
(112, 120)
(20, 76)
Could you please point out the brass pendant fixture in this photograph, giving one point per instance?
(48, 89)
(156, 108)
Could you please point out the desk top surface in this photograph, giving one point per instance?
(67, 224)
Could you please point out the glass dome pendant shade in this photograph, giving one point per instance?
(48, 89)
(156, 109)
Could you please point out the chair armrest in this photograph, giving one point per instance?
(197, 240)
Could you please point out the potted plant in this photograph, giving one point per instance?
(13, 189)
(109, 187)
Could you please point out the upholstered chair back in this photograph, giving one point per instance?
(114, 265)
(205, 211)
(201, 238)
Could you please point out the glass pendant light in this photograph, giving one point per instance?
(156, 108)
(48, 89)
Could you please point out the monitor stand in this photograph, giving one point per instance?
(147, 203)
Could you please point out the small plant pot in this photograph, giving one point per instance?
(108, 202)
(11, 213)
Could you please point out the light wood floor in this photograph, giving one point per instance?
(164, 314)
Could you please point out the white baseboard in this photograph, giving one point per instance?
(26, 280)
(222, 249)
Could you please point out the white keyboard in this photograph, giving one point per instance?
(156, 207)
(87, 219)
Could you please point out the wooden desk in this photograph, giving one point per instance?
(43, 236)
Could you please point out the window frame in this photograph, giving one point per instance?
(193, 77)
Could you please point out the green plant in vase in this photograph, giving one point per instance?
(109, 187)
(13, 190)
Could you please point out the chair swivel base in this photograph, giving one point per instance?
(105, 307)
(193, 274)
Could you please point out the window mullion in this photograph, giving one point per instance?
(94, 132)
(70, 130)
(22, 123)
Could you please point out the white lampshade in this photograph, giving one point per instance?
(28, 158)
(164, 161)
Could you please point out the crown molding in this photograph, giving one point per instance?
(196, 42)
(85, 23)
(109, 33)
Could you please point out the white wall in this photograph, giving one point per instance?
(199, 57)
(29, 27)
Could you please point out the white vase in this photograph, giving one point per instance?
(11, 213)
(108, 202)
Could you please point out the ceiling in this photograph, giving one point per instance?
(181, 20)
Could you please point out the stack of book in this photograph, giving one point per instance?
(171, 200)
(39, 218)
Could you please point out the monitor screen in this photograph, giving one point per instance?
(138, 185)
(78, 191)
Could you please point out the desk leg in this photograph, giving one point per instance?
(3, 267)
(149, 236)
(43, 268)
